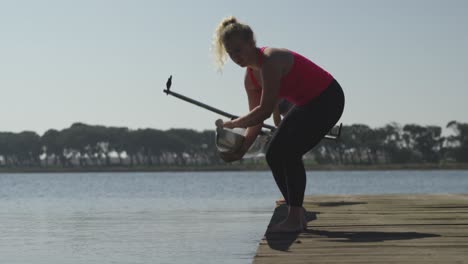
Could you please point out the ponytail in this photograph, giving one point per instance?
(227, 28)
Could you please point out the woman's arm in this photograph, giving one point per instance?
(271, 75)
(277, 116)
(254, 96)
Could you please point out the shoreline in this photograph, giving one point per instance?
(234, 167)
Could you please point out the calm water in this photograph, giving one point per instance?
(215, 217)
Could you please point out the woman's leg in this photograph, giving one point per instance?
(301, 130)
(275, 162)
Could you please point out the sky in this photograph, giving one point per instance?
(106, 62)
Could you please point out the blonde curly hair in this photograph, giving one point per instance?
(227, 28)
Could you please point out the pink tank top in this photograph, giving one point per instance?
(305, 80)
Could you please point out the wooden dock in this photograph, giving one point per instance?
(373, 229)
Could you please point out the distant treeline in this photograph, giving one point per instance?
(83, 146)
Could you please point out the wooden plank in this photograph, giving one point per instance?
(373, 229)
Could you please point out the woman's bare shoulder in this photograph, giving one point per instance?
(272, 51)
(279, 58)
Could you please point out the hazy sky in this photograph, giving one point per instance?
(107, 62)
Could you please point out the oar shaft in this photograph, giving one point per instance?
(226, 114)
(207, 107)
(200, 104)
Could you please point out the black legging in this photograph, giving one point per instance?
(302, 128)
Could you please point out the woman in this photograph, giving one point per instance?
(272, 74)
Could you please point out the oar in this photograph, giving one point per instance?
(226, 114)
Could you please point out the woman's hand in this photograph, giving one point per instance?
(228, 124)
(231, 156)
